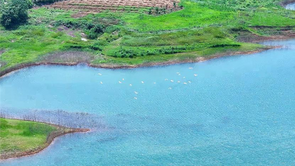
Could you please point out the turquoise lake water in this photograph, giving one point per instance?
(238, 110)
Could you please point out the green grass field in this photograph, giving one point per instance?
(203, 28)
(19, 136)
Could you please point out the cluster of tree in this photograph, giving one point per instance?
(14, 12)
(132, 53)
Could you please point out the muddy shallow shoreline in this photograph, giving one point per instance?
(286, 35)
(114, 66)
(50, 139)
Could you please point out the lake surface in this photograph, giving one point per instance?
(291, 6)
(237, 110)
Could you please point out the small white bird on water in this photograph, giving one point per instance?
(183, 77)
(101, 82)
(195, 75)
(142, 82)
(155, 83)
(123, 79)
(189, 82)
(172, 80)
(184, 83)
(99, 74)
(120, 82)
(170, 88)
(135, 98)
(190, 68)
(135, 92)
(130, 84)
(178, 81)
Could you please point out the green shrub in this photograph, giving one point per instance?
(3, 124)
(95, 31)
(14, 12)
(90, 29)
(34, 129)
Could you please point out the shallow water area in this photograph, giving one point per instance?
(290, 6)
(236, 110)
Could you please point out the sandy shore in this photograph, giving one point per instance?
(48, 142)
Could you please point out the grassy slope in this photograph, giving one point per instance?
(19, 136)
(199, 30)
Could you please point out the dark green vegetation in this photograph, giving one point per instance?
(202, 29)
(14, 12)
(20, 136)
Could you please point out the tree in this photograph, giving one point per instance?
(14, 12)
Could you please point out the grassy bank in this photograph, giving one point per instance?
(202, 29)
(19, 138)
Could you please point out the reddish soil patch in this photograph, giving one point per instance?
(67, 57)
(67, 30)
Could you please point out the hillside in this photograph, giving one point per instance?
(109, 34)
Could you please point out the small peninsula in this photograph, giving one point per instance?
(22, 138)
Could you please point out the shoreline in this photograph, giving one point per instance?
(288, 35)
(287, 2)
(50, 139)
(11, 70)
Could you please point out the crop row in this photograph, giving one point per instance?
(115, 5)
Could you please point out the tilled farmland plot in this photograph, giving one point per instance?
(96, 6)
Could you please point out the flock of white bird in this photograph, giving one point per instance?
(136, 93)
